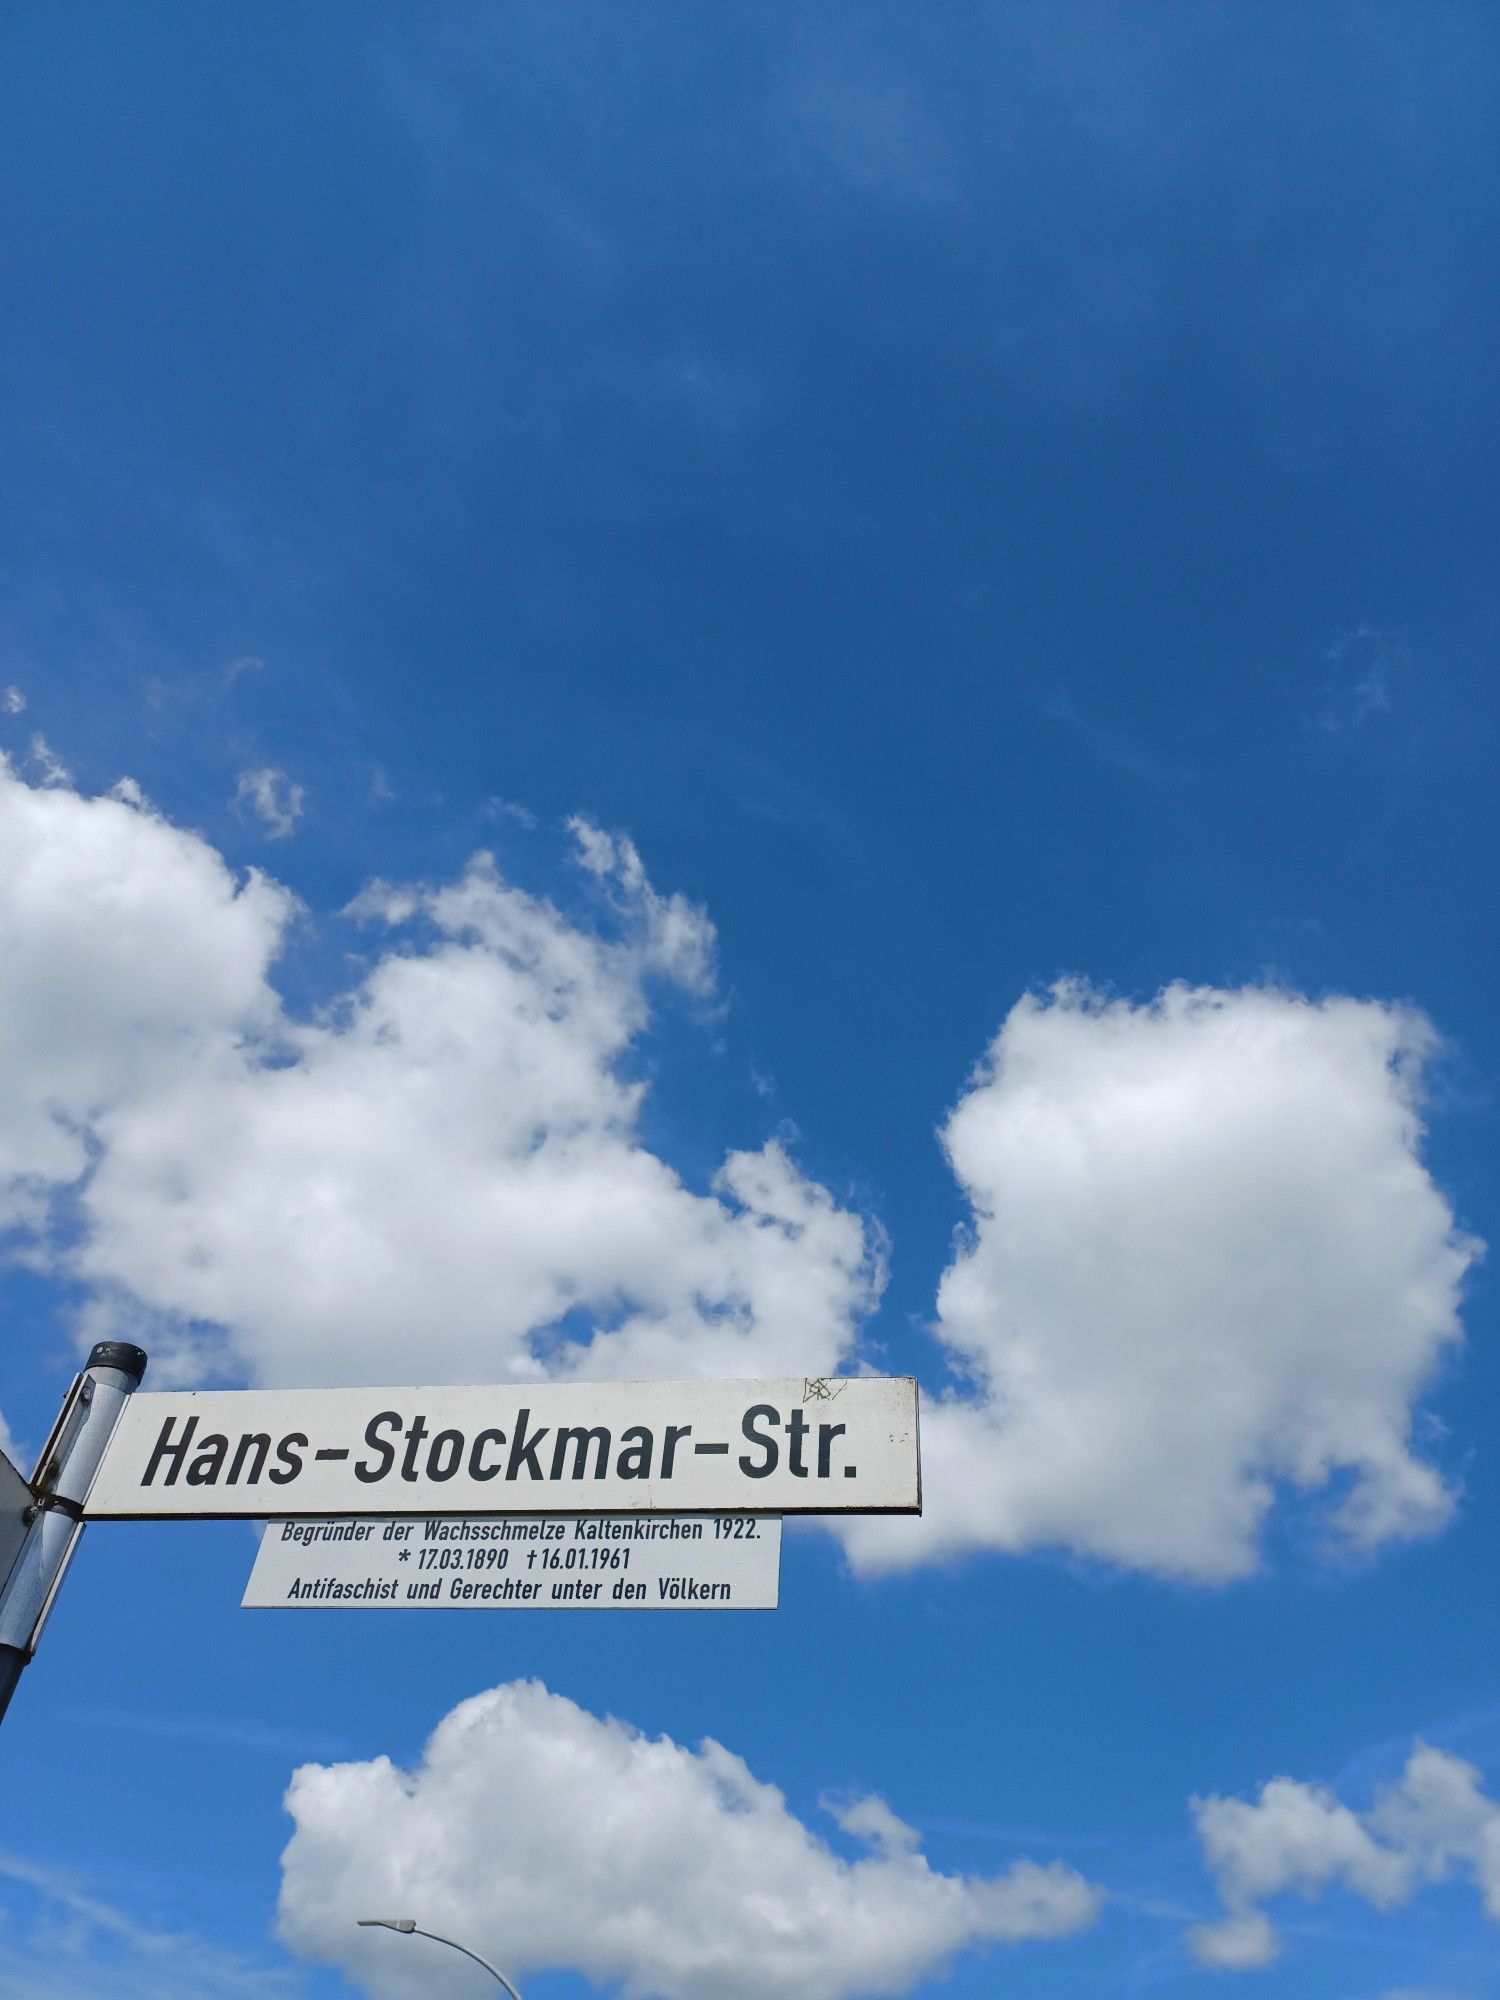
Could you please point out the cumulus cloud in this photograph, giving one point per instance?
(1205, 1258)
(554, 1839)
(12, 701)
(443, 1162)
(130, 955)
(1432, 1824)
(273, 798)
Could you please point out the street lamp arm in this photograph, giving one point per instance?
(493, 1970)
(409, 1927)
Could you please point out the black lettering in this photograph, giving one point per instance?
(826, 1435)
(288, 1458)
(797, 1429)
(252, 1443)
(476, 1470)
(174, 1451)
(523, 1449)
(416, 1430)
(760, 1414)
(675, 1434)
(637, 1445)
(388, 1420)
(209, 1462)
(581, 1439)
(447, 1445)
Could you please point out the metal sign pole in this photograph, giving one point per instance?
(36, 1554)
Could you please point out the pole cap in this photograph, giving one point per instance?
(121, 1355)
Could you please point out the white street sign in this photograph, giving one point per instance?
(802, 1445)
(629, 1562)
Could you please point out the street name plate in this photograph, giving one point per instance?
(631, 1562)
(799, 1445)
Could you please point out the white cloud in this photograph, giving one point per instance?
(271, 795)
(1205, 1258)
(1361, 665)
(130, 957)
(12, 701)
(677, 936)
(1244, 1941)
(8, 1444)
(49, 766)
(442, 1169)
(509, 809)
(553, 1839)
(1434, 1822)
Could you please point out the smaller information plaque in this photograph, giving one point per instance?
(619, 1562)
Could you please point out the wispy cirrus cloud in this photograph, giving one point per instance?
(231, 1732)
(272, 798)
(61, 1938)
(44, 760)
(1361, 670)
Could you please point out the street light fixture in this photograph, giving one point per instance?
(409, 1927)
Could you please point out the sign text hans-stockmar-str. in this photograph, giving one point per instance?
(788, 1446)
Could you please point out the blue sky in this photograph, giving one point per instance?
(965, 499)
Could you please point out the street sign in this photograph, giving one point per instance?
(800, 1445)
(547, 1562)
